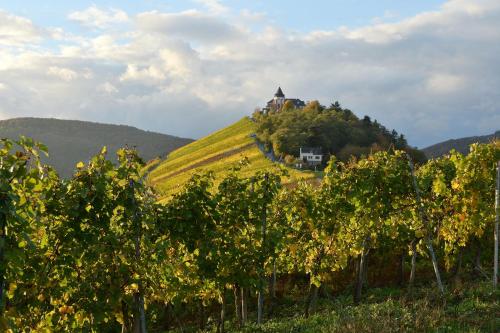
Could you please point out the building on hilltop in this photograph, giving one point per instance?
(279, 100)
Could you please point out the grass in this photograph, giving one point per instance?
(216, 152)
(475, 308)
(150, 165)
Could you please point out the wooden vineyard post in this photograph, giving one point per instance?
(360, 273)
(413, 263)
(222, 311)
(244, 310)
(428, 238)
(497, 218)
(237, 304)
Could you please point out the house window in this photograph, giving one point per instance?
(317, 157)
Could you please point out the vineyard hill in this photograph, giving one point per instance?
(217, 152)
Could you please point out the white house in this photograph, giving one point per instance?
(312, 156)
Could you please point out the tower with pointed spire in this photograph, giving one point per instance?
(279, 100)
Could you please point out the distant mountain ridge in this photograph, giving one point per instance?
(460, 145)
(71, 141)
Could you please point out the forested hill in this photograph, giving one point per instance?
(460, 145)
(71, 141)
(337, 130)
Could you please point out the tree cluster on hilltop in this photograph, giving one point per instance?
(337, 130)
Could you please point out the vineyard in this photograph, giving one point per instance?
(233, 251)
(218, 153)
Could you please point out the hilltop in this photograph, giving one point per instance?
(275, 135)
(71, 141)
(216, 152)
(288, 126)
(461, 145)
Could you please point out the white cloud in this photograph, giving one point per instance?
(87, 73)
(98, 18)
(470, 7)
(432, 76)
(147, 75)
(214, 6)
(444, 22)
(64, 74)
(16, 30)
(252, 16)
(182, 62)
(191, 25)
(445, 83)
(107, 88)
(70, 50)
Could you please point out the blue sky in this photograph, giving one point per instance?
(296, 15)
(428, 69)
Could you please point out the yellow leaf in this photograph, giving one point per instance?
(119, 317)
(65, 309)
(80, 165)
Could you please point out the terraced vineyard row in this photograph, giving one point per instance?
(217, 152)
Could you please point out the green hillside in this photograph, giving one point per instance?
(216, 152)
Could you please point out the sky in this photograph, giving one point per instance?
(428, 69)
